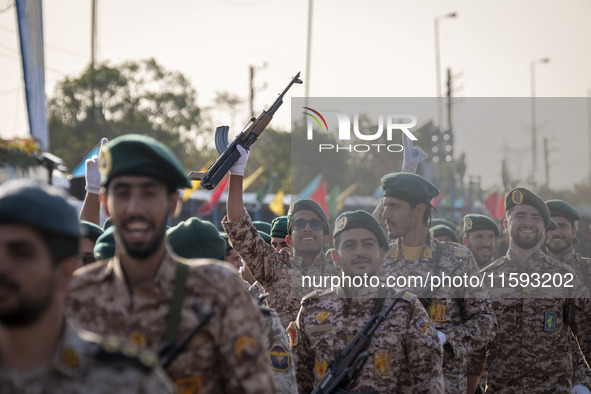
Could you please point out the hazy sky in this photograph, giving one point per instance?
(359, 49)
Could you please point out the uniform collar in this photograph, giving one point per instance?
(427, 254)
(73, 353)
(164, 275)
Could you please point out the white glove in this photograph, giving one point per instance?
(442, 338)
(240, 165)
(580, 389)
(411, 155)
(93, 177)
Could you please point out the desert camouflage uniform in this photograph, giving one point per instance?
(531, 351)
(463, 314)
(84, 365)
(227, 355)
(278, 272)
(404, 355)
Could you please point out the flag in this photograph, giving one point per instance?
(435, 201)
(214, 198)
(276, 206)
(311, 188)
(491, 205)
(346, 193)
(265, 189)
(80, 169)
(319, 196)
(251, 178)
(333, 202)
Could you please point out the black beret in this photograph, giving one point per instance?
(279, 227)
(104, 248)
(90, 230)
(441, 229)
(262, 226)
(563, 209)
(307, 205)
(409, 187)
(435, 221)
(476, 221)
(522, 196)
(194, 238)
(38, 205)
(360, 219)
(139, 155)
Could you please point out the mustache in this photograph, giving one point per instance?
(5, 282)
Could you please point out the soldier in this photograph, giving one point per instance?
(443, 233)
(462, 316)
(278, 233)
(279, 272)
(39, 350)
(404, 353)
(531, 351)
(91, 232)
(480, 234)
(146, 294)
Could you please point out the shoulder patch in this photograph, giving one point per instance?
(461, 251)
(111, 350)
(292, 333)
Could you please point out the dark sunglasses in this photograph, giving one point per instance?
(300, 224)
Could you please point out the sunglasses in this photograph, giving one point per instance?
(300, 224)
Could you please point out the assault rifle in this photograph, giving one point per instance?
(229, 153)
(347, 365)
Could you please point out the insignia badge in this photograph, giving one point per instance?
(321, 368)
(138, 339)
(381, 364)
(105, 161)
(192, 385)
(341, 223)
(437, 312)
(424, 327)
(69, 358)
(468, 224)
(279, 356)
(517, 197)
(230, 243)
(428, 253)
(322, 316)
(292, 333)
(549, 321)
(241, 343)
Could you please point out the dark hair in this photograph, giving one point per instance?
(427, 214)
(60, 246)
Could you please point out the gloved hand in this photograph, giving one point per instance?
(442, 338)
(411, 155)
(92, 175)
(580, 389)
(240, 165)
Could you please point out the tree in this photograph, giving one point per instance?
(132, 97)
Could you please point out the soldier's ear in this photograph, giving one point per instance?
(505, 223)
(288, 240)
(465, 240)
(103, 201)
(334, 256)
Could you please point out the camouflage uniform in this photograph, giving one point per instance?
(278, 272)
(464, 315)
(227, 355)
(83, 365)
(404, 355)
(531, 351)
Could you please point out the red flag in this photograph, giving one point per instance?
(319, 196)
(500, 211)
(215, 197)
(436, 200)
(491, 205)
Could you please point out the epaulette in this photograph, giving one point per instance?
(460, 251)
(317, 294)
(407, 295)
(112, 350)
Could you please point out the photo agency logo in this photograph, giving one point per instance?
(360, 140)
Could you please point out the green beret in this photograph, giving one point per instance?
(194, 239)
(553, 225)
(90, 230)
(409, 187)
(476, 221)
(435, 221)
(139, 155)
(104, 248)
(441, 229)
(360, 219)
(228, 244)
(306, 204)
(108, 223)
(262, 226)
(279, 227)
(38, 205)
(521, 196)
(265, 236)
(563, 209)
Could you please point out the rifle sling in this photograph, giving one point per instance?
(174, 318)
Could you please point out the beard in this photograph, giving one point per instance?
(143, 252)
(28, 310)
(524, 242)
(558, 245)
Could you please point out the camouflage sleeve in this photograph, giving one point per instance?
(579, 318)
(303, 355)
(476, 362)
(263, 261)
(581, 372)
(425, 355)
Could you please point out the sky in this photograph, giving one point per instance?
(380, 48)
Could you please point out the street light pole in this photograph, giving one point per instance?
(534, 147)
(438, 66)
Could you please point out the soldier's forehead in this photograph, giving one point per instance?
(305, 214)
(525, 208)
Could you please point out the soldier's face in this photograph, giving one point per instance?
(562, 237)
(399, 217)
(482, 245)
(27, 276)
(234, 258)
(358, 252)
(139, 208)
(306, 240)
(279, 243)
(525, 226)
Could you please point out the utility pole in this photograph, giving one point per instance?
(252, 89)
(547, 162)
(93, 35)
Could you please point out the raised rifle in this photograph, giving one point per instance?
(230, 153)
